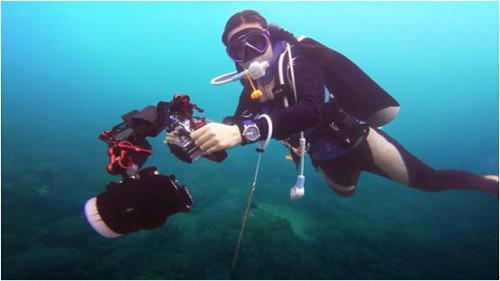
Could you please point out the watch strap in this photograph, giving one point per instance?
(242, 125)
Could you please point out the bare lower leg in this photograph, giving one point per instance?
(400, 165)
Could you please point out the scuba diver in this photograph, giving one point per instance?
(284, 79)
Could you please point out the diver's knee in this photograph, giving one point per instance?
(349, 191)
(341, 190)
(384, 116)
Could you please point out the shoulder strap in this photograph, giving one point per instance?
(285, 64)
(281, 66)
(281, 76)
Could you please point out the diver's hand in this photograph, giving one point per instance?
(214, 137)
(171, 137)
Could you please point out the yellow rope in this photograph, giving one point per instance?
(256, 93)
(250, 79)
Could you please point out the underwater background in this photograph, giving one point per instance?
(71, 69)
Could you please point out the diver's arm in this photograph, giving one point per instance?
(242, 104)
(246, 109)
(245, 104)
(307, 111)
(214, 137)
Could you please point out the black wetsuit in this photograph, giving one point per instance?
(308, 113)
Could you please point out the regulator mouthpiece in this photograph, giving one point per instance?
(297, 192)
(257, 69)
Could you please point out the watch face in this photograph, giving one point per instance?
(252, 133)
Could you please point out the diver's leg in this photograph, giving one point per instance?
(342, 173)
(383, 116)
(346, 189)
(392, 160)
(386, 159)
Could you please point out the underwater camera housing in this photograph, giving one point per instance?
(183, 123)
(143, 198)
(184, 147)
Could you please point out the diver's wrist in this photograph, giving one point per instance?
(239, 125)
(237, 134)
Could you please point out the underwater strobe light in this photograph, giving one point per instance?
(141, 202)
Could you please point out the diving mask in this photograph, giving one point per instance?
(248, 44)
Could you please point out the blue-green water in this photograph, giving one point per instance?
(69, 70)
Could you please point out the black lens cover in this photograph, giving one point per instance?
(142, 203)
